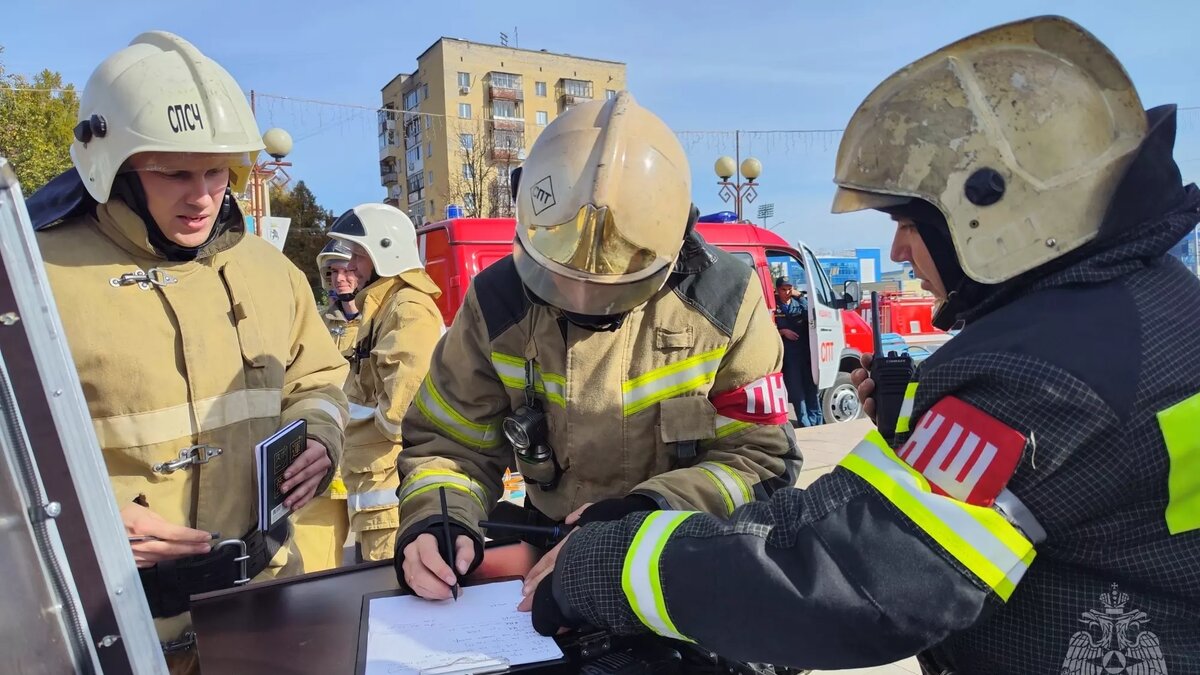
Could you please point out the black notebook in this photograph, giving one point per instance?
(274, 456)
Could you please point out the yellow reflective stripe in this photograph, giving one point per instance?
(727, 426)
(904, 421)
(733, 488)
(433, 406)
(640, 576)
(511, 370)
(979, 538)
(420, 482)
(671, 380)
(187, 419)
(1180, 426)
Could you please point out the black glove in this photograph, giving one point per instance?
(616, 509)
(434, 526)
(548, 616)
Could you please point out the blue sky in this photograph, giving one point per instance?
(699, 65)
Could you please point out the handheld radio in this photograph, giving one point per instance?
(891, 374)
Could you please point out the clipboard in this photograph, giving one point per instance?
(466, 668)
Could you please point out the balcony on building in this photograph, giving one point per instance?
(507, 116)
(505, 87)
(571, 92)
(388, 174)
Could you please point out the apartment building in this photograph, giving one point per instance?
(452, 131)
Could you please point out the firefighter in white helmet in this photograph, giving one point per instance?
(622, 363)
(400, 325)
(1037, 509)
(321, 527)
(341, 285)
(192, 340)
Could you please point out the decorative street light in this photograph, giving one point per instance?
(737, 190)
(278, 144)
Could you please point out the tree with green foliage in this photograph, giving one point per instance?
(306, 234)
(36, 121)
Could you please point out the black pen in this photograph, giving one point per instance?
(552, 531)
(449, 541)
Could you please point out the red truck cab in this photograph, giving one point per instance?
(456, 250)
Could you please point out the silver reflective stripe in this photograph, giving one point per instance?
(422, 481)
(186, 420)
(390, 427)
(359, 501)
(361, 412)
(661, 383)
(640, 578)
(736, 490)
(951, 515)
(509, 368)
(317, 403)
(1018, 514)
(435, 409)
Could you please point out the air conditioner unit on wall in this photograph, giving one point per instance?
(463, 91)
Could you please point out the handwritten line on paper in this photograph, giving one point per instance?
(407, 634)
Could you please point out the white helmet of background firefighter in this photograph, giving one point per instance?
(1015, 137)
(603, 205)
(335, 255)
(385, 233)
(161, 95)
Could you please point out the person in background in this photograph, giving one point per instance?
(341, 284)
(401, 324)
(791, 318)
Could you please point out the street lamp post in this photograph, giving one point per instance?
(736, 190)
(278, 144)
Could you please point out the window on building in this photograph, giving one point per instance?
(508, 140)
(413, 155)
(469, 202)
(542, 118)
(539, 88)
(425, 92)
(506, 80)
(464, 111)
(468, 172)
(411, 99)
(429, 150)
(610, 93)
(467, 141)
(464, 79)
(577, 88)
(428, 121)
(429, 179)
(506, 109)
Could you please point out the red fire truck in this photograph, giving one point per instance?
(456, 250)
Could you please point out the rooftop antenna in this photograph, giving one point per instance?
(504, 39)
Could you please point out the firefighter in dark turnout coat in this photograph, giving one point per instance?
(1038, 510)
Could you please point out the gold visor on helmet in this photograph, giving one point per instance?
(591, 243)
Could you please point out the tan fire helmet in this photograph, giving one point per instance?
(602, 208)
(161, 95)
(385, 233)
(336, 254)
(1018, 134)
